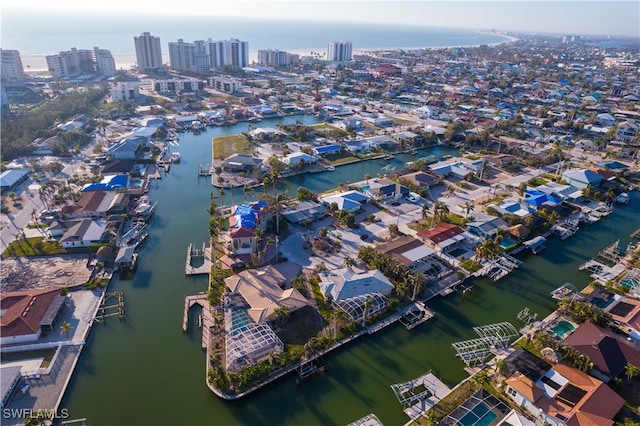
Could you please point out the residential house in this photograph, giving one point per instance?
(303, 211)
(84, 233)
(442, 237)
(117, 182)
(296, 158)
(385, 189)
(627, 131)
(422, 179)
(11, 179)
(560, 395)
(407, 250)
(244, 221)
(349, 283)
(409, 138)
(241, 163)
(26, 315)
(487, 228)
(350, 201)
(265, 290)
(96, 205)
(609, 352)
(605, 119)
(581, 178)
(625, 313)
(327, 150)
(129, 148)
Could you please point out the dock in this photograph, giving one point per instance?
(207, 317)
(415, 315)
(204, 171)
(198, 260)
(108, 308)
(420, 394)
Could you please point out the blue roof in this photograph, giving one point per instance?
(327, 148)
(109, 183)
(537, 198)
(246, 214)
(11, 176)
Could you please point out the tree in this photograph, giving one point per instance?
(66, 328)
(424, 211)
(349, 261)
(282, 314)
(631, 371)
(393, 230)
(304, 194)
(468, 208)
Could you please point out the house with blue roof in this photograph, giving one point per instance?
(109, 183)
(513, 207)
(350, 201)
(327, 149)
(581, 178)
(539, 199)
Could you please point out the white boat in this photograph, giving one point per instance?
(175, 157)
(623, 198)
(331, 169)
(389, 156)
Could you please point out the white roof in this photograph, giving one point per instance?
(418, 253)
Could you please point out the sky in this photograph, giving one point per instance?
(549, 16)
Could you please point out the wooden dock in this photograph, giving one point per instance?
(194, 256)
(416, 315)
(207, 317)
(108, 308)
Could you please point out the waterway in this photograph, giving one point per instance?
(145, 371)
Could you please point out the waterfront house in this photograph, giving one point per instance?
(581, 178)
(625, 313)
(26, 315)
(349, 283)
(118, 182)
(327, 150)
(487, 228)
(350, 201)
(296, 158)
(422, 179)
(129, 148)
(608, 351)
(409, 138)
(385, 189)
(96, 205)
(444, 236)
(513, 207)
(243, 223)
(407, 250)
(236, 163)
(265, 290)
(84, 233)
(302, 211)
(562, 395)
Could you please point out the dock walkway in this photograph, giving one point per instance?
(207, 317)
(420, 394)
(194, 254)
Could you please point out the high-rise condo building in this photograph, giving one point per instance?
(182, 55)
(148, 52)
(105, 64)
(71, 62)
(228, 52)
(339, 51)
(274, 58)
(12, 69)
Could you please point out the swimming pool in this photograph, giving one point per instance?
(457, 252)
(507, 243)
(562, 329)
(481, 415)
(239, 321)
(365, 187)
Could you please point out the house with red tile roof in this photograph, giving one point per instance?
(565, 396)
(25, 315)
(442, 236)
(609, 352)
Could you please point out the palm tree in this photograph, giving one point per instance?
(425, 212)
(66, 328)
(631, 371)
(501, 367)
(277, 201)
(468, 208)
(349, 261)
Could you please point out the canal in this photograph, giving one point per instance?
(145, 371)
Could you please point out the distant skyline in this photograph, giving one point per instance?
(561, 17)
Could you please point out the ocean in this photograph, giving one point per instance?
(37, 35)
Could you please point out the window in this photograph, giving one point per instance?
(511, 392)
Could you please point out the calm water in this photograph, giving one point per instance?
(146, 371)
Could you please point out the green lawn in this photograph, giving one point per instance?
(224, 146)
(35, 246)
(323, 127)
(403, 122)
(339, 158)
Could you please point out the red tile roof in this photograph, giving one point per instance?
(23, 311)
(443, 231)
